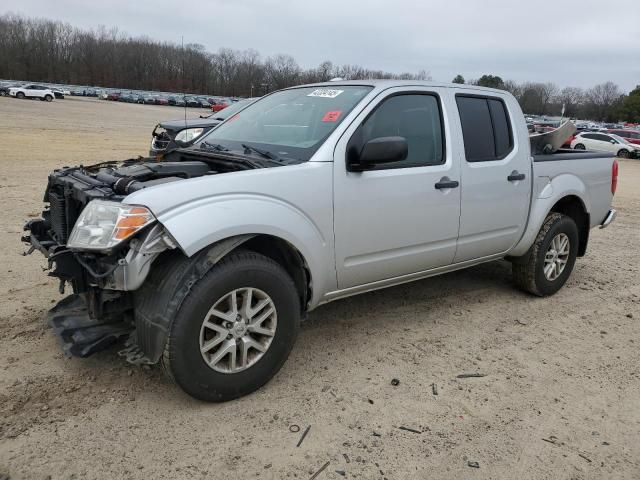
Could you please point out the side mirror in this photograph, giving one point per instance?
(379, 151)
(612, 141)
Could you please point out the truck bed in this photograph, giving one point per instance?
(569, 154)
(590, 178)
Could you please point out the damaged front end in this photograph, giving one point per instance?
(102, 248)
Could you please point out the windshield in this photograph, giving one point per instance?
(290, 124)
(618, 139)
(231, 109)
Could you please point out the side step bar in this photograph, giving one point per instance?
(79, 334)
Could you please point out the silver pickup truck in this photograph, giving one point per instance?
(207, 261)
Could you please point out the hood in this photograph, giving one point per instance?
(189, 123)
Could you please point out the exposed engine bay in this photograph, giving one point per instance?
(100, 311)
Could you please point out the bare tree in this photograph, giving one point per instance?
(571, 98)
(281, 71)
(602, 98)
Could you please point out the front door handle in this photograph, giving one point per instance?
(515, 176)
(446, 183)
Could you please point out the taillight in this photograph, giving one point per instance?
(614, 177)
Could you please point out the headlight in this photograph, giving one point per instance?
(188, 134)
(102, 225)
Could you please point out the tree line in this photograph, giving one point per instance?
(603, 102)
(41, 50)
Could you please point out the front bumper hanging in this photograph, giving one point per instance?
(81, 335)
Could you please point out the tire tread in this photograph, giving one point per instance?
(524, 274)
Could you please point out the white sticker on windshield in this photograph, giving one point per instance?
(325, 93)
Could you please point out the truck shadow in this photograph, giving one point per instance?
(459, 289)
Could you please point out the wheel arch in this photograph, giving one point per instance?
(573, 207)
(571, 199)
(174, 273)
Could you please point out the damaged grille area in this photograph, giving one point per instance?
(58, 216)
(63, 213)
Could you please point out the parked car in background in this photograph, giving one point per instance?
(192, 102)
(203, 102)
(220, 105)
(4, 89)
(631, 136)
(605, 142)
(32, 90)
(161, 100)
(59, 94)
(114, 96)
(176, 100)
(172, 134)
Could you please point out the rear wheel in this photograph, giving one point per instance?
(20, 95)
(551, 257)
(624, 153)
(235, 330)
(579, 146)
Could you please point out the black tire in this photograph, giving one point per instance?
(48, 98)
(579, 146)
(624, 153)
(529, 275)
(182, 359)
(20, 95)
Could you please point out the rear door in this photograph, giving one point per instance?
(30, 91)
(600, 142)
(495, 175)
(394, 220)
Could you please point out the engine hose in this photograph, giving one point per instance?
(92, 272)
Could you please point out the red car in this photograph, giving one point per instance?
(567, 143)
(630, 136)
(216, 107)
(115, 96)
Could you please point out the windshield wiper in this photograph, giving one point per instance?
(213, 146)
(262, 153)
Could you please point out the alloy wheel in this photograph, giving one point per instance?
(555, 260)
(238, 330)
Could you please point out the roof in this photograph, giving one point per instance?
(383, 84)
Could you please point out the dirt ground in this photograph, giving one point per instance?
(560, 399)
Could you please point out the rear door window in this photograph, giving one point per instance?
(486, 128)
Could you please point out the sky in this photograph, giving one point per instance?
(571, 43)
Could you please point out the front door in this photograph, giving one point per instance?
(402, 217)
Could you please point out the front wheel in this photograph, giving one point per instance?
(20, 95)
(623, 153)
(48, 98)
(235, 330)
(579, 146)
(551, 257)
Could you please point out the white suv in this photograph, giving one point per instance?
(605, 142)
(32, 91)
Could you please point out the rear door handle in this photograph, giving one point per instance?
(515, 176)
(446, 183)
